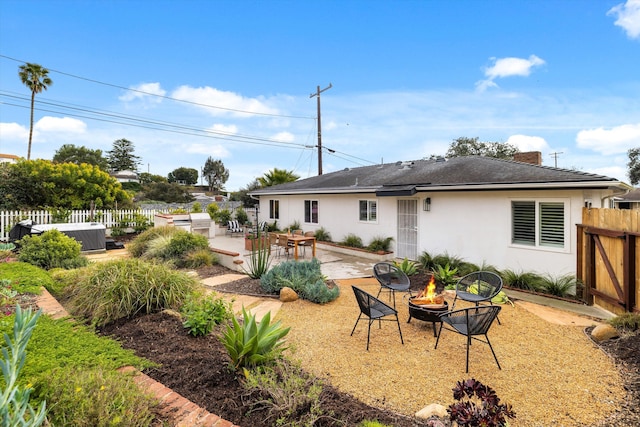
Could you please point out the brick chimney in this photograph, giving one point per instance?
(533, 157)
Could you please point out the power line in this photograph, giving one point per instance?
(164, 96)
(555, 157)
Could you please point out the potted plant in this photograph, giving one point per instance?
(253, 241)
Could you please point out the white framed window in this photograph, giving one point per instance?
(368, 210)
(274, 209)
(311, 211)
(540, 223)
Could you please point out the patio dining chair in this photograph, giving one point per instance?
(471, 322)
(478, 287)
(374, 309)
(391, 279)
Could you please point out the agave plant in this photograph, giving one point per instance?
(407, 267)
(445, 275)
(252, 344)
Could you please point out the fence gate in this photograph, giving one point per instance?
(607, 262)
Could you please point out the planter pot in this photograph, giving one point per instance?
(252, 244)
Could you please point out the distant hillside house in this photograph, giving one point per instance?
(515, 215)
(8, 158)
(126, 176)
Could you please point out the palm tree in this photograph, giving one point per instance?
(36, 78)
(277, 176)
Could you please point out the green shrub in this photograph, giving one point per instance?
(445, 275)
(94, 397)
(352, 241)
(372, 423)
(138, 246)
(522, 280)
(241, 216)
(212, 210)
(201, 314)
(252, 344)
(182, 243)
(558, 286)
(407, 267)
(25, 278)
(200, 258)
(322, 235)
(14, 399)
(304, 277)
(122, 288)
(196, 207)
(380, 244)
(7, 247)
(289, 396)
(51, 249)
(426, 261)
(626, 321)
(222, 216)
(444, 259)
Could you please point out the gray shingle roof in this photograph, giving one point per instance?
(471, 171)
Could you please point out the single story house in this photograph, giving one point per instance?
(631, 200)
(8, 158)
(510, 214)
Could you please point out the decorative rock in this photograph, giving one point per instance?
(287, 294)
(604, 332)
(431, 410)
(173, 313)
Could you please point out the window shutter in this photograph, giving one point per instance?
(552, 224)
(524, 223)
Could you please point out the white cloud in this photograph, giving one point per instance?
(284, 137)
(627, 17)
(528, 143)
(616, 140)
(228, 129)
(144, 91)
(214, 150)
(507, 67)
(60, 125)
(11, 131)
(218, 102)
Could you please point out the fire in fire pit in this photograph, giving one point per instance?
(429, 297)
(427, 305)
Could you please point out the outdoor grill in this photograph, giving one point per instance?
(199, 223)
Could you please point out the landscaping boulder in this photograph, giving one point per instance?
(604, 332)
(287, 294)
(432, 410)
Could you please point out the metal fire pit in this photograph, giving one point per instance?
(426, 313)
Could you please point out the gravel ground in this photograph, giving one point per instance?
(552, 375)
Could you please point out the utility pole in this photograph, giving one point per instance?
(555, 157)
(318, 92)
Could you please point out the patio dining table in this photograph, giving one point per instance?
(297, 239)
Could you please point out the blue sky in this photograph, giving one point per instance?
(232, 80)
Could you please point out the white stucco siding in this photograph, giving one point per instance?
(475, 226)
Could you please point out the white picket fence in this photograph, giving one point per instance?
(109, 218)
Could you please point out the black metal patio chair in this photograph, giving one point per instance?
(471, 322)
(478, 287)
(391, 280)
(374, 309)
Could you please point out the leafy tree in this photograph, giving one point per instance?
(215, 173)
(464, 146)
(121, 156)
(187, 175)
(36, 78)
(147, 178)
(277, 176)
(166, 192)
(40, 184)
(634, 165)
(69, 153)
(243, 194)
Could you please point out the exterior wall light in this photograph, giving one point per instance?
(427, 204)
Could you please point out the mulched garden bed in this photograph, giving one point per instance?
(197, 369)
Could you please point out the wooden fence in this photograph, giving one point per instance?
(608, 258)
(109, 218)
